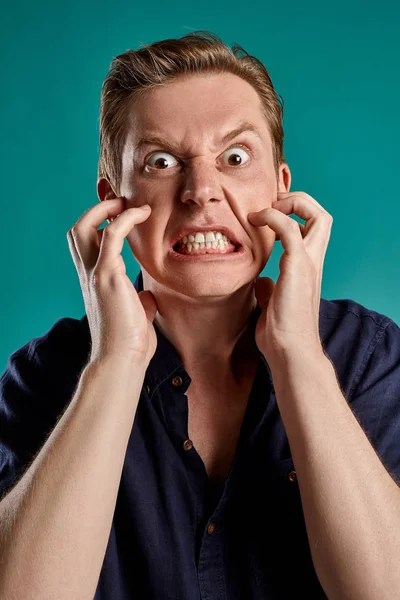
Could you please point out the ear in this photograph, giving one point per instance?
(285, 178)
(105, 190)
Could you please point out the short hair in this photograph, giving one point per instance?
(134, 72)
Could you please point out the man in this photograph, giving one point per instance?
(211, 448)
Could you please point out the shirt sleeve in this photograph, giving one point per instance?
(376, 397)
(36, 387)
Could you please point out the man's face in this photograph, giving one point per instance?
(195, 179)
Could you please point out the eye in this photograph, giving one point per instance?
(238, 159)
(161, 164)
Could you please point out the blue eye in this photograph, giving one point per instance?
(162, 162)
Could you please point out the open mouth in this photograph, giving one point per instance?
(194, 249)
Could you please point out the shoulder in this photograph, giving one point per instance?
(355, 336)
(37, 384)
(365, 348)
(47, 366)
(65, 344)
(349, 312)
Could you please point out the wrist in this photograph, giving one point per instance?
(281, 354)
(120, 364)
(294, 365)
(285, 358)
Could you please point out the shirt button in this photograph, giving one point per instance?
(187, 445)
(177, 381)
(210, 528)
(292, 476)
(148, 389)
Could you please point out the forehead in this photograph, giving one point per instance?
(196, 107)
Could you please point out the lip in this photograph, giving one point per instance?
(240, 253)
(204, 228)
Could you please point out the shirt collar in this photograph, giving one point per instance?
(166, 360)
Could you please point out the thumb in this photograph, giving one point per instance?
(263, 290)
(149, 304)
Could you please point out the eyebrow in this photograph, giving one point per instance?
(245, 126)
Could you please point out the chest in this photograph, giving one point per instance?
(214, 423)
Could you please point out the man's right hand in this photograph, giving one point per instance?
(120, 319)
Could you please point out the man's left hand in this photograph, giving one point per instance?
(290, 307)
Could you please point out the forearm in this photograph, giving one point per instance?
(351, 504)
(55, 523)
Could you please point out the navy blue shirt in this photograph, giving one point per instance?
(174, 536)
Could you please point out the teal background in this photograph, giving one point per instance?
(336, 66)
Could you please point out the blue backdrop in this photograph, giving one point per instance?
(336, 66)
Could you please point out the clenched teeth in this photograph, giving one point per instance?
(200, 238)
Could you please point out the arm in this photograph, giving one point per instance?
(55, 523)
(351, 504)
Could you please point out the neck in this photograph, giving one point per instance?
(212, 335)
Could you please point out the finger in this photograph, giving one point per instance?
(74, 252)
(318, 220)
(304, 196)
(297, 205)
(83, 237)
(287, 229)
(114, 235)
(302, 231)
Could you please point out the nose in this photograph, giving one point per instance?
(201, 183)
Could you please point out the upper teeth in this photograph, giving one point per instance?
(209, 236)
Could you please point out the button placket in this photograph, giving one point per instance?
(177, 381)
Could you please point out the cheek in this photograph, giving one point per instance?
(144, 239)
(137, 237)
(133, 237)
(263, 184)
(258, 201)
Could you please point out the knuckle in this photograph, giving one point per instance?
(97, 277)
(73, 232)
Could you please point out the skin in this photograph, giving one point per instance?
(203, 308)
